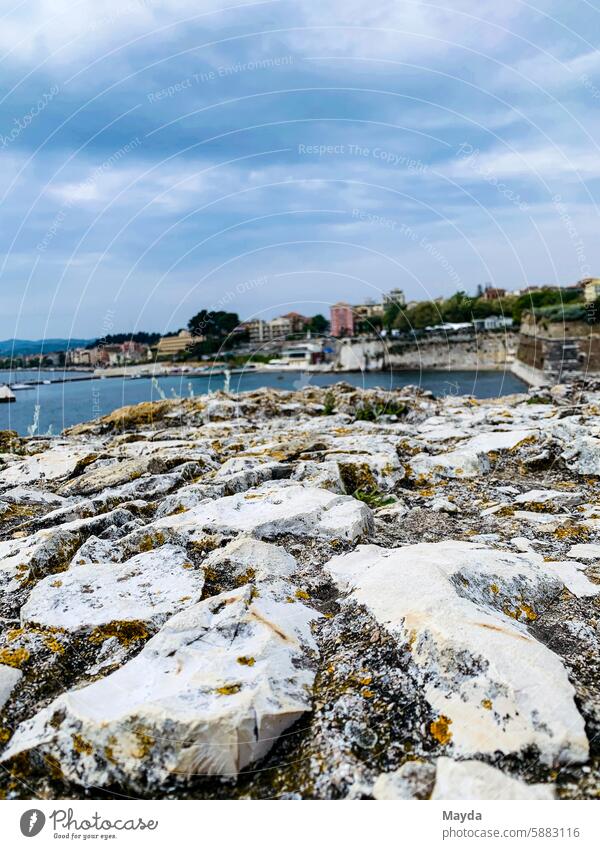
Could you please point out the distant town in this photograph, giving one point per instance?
(311, 339)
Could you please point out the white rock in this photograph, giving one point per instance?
(238, 464)
(371, 454)
(443, 505)
(474, 780)
(523, 544)
(548, 496)
(95, 550)
(414, 780)
(550, 521)
(582, 454)
(322, 475)
(148, 588)
(281, 507)
(504, 440)
(453, 464)
(585, 551)
(27, 496)
(392, 511)
(498, 688)
(209, 694)
(266, 561)
(49, 465)
(33, 557)
(9, 678)
(470, 458)
(571, 574)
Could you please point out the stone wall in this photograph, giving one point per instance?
(478, 351)
(559, 348)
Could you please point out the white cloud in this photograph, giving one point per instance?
(64, 30)
(567, 162)
(417, 28)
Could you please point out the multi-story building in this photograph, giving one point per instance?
(170, 346)
(298, 322)
(395, 296)
(342, 319)
(82, 357)
(257, 330)
(280, 327)
(493, 293)
(370, 309)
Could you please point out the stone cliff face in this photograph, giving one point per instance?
(319, 594)
(559, 350)
(477, 352)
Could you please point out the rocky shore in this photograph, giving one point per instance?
(315, 594)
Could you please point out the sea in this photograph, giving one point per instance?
(51, 407)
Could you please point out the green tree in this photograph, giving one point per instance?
(459, 307)
(425, 314)
(318, 324)
(213, 324)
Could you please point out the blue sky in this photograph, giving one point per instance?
(161, 156)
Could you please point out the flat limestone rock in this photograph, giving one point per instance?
(474, 780)
(29, 496)
(585, 551)
(281, 507)
(23, 561)
(571, 574)
(47, 466)
(324, 475)
(549, 496)
(114, 474)
(470, 457)
(209, 694)
(9, 678)
(252, 558)
(414, 780)
(460, 608)
(452, 464)
(148, 588)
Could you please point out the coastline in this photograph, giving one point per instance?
(358, 555)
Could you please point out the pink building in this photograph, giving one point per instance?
(342, 319)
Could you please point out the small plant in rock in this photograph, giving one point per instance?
(329, 404)
(373, 498)
(369, 412)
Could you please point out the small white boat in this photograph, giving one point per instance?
(16, 386)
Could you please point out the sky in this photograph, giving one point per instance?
(164, 156)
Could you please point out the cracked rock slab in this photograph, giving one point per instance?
(9, 678)
(246, 557)
(458, 606)
(281, 507)
(208, 695)
(148, 588)
(474, 780)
